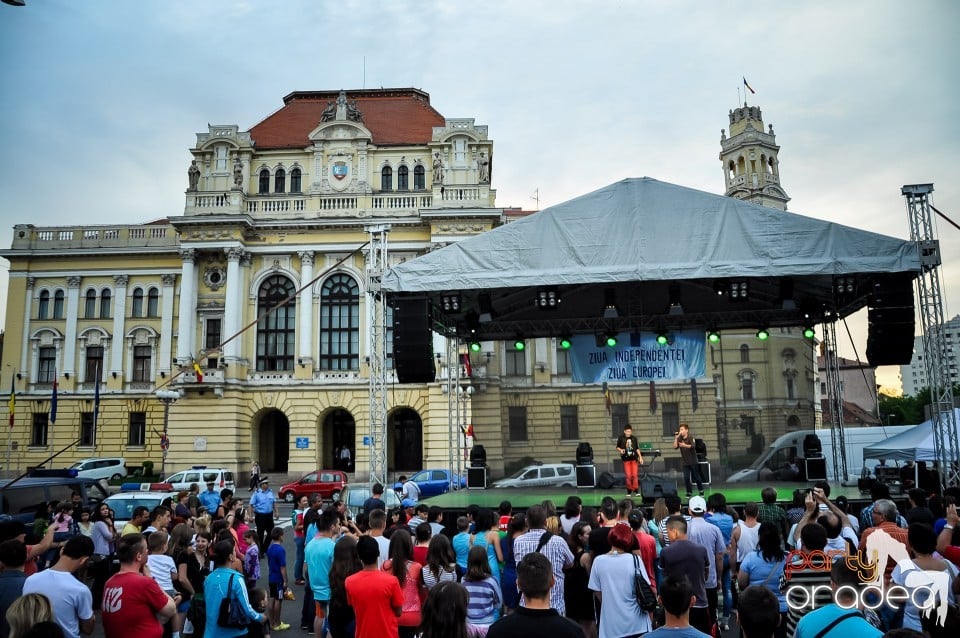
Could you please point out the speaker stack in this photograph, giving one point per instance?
(891, 327)
(654, 488)
(413, 341)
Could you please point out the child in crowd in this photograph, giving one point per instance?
(251, 559)
(461, 542)
(277, 578)
(63, 528)
(85, 525)
(163, 570)
(258, 600)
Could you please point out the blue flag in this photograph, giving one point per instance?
(53, 400)
(96, 398)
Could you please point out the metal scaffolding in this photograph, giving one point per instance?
(935, 354)
(376, 266)
(835, 400)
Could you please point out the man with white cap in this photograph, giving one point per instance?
(701, 532)
(264, 504)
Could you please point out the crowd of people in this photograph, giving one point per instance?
(194, 566)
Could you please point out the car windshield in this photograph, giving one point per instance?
(423, 475)
(520, 473)
(123, 507)
(76, 466)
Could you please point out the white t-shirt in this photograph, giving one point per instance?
(747, 542)
(384, 544)
(612, 575)
(72, 600)
(160, 567)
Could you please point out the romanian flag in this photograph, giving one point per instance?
(53, 400)
(466, 364)
(749, 88)
(607, 399)
(198, 372)
(13, 400)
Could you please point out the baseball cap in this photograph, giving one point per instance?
(698, 504)
(264, 480)
(408, 502)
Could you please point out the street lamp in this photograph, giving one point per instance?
(166, 397)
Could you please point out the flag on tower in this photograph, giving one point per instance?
(12, 404)
(198, 372)
(53, 399)
(749, 88)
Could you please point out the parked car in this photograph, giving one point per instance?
(124, 503)
(433, 482)
(355, 496)
(326, 483)
(22, 499)
(545, 475)
(113, 468)
(201, 475)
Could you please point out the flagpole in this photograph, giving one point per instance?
(13, 401)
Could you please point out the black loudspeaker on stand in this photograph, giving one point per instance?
(587, 476)
(815, 469)
(705, 472)
(413, 341)
(476, 478)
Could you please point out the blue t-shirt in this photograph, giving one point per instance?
(759, 570)
(318, 558)
(684, 632)
(817, 620)
(276, 560)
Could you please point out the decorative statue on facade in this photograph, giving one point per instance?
(437, 169)
(237, 174)
(330, 112)
(193, 175)
(353, 112)
(483, 168)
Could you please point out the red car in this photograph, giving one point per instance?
(326, 483)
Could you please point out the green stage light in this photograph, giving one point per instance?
(763, 334)
(611, 340)
(713, 336)
(809, 333)
(474, 346)
(663, 339)
(565, 343)
(519, 345)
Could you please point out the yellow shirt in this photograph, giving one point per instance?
(130, 528)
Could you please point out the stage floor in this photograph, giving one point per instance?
(737, 494)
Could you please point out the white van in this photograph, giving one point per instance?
(110, 468)
(790, 446)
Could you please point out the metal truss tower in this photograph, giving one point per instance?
(835, 400)
(376, 267)
(935, 357)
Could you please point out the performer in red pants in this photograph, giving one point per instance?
(629, 451)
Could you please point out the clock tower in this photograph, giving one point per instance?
(751, 169)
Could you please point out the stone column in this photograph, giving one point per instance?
(305, 309)
(166, 322)
(188, 307)
(233, 305)
(27, 305)
(70, 336)
(119, 315)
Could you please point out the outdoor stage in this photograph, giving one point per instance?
(737, 495)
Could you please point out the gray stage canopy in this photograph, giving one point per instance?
(644, 254)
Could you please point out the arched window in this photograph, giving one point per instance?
(90, 304)
(386, 179)
(58, 305)
(403, 178)
(295, 180)
(746, 386)
(137, 308)
(264, 182)
(105, 304)
(43, 306)
(419, 178)
(744, 353)
(276, 330)
(280, 181)
(340, 324)
(153, 303)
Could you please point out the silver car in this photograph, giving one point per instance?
(543, 475)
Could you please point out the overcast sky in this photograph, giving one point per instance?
(101, 99)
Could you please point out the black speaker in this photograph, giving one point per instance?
(606, 481)
(476, 478)
(413, 341)
(815, 469)
(655, 488)
(586, 476)
(891, 325)
(705, 472)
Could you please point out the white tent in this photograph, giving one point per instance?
(913, 445)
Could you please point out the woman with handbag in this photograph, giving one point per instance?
(103, 534)
(228, 608)
(612, 579)
(764, 567)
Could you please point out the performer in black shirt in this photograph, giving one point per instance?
(629, 451)
(691, 466)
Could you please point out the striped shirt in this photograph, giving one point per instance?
(559, 554)
(448, 573)
(799, 584)
(485, 599)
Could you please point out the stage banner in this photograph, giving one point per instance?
(638, 357)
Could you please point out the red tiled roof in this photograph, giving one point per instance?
(393, 116)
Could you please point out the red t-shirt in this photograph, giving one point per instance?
(420, 554)
(648, 554)
(130, 605)
(503, 524)
(373, 596)
(412, 594)
(952, 554)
